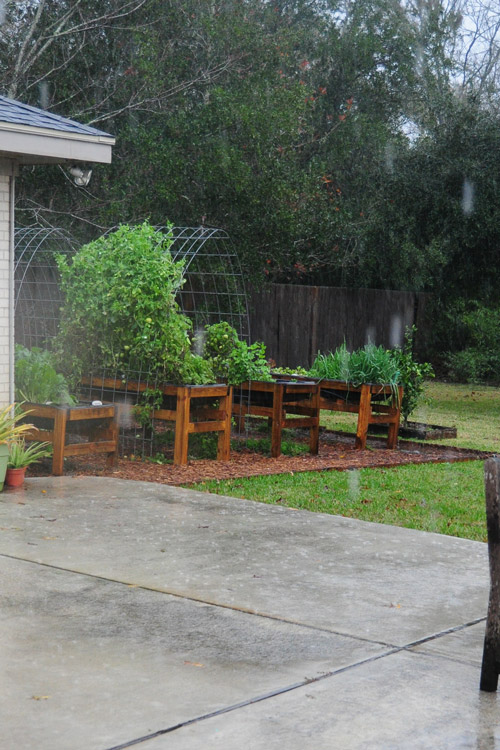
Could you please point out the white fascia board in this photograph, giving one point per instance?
(40, 146)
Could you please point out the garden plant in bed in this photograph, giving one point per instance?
(122, 327)
(56, 416)
(376, 365)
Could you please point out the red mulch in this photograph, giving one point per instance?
(335, 453)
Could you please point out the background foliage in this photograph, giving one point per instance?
(344, 142)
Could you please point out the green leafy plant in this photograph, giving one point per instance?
(150, 399)
(37, 379)
(21, 455)
(120, 309)
(233, 360)
(413, 374)
(289, 370)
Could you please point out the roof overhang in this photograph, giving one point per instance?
(32, 145)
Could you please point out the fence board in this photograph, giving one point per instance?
(296, 321)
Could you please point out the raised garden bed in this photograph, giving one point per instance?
(190, 407)
(54, 424)
(276, 400)
(374, 404)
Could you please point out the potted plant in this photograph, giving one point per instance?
(21, 456)
(10, 430)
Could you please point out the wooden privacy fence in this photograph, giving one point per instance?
(295, 322)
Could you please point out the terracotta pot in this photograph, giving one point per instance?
(15, 477)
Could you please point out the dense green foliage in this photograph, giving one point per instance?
(344, 142)
(120, 310)
(478, 359)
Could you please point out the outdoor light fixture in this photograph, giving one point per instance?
(81, 177)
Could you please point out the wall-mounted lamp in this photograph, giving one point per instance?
(81, 177)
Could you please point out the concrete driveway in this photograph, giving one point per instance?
(146, 616)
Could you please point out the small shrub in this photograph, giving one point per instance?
(232, 360)
(413, 375)
(36, 378)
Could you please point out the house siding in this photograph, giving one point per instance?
(5, 290)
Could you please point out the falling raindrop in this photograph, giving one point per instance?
(467, 197)
(396, 332)
(199, 341)
(353, 484)
(370, 334)
(389, 157)
(125, 415)
(2, 11)
(420, 59)
(43, 94)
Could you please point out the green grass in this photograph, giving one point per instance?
(443, 498)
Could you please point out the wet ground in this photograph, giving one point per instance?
(140, 615)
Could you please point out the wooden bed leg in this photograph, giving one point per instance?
(314, 431)
(224, 441)
(364, 415)
(59, 442)
(181, 426)
(277, 421)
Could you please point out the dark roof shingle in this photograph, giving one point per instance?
(23, 114)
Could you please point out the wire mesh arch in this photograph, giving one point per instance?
(37, 294)
(214, 286)
(213, 289)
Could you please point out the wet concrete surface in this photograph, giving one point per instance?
(142, 615)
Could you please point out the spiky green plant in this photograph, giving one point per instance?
(21, 456)
(371, 364)
(10, 429)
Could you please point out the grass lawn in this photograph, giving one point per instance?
(444, 498)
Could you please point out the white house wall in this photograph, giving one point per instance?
(6, 301)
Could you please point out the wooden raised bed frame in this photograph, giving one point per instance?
(362, 402)
(369, 411)
(187, 416)
(286, 396)
(102, 438)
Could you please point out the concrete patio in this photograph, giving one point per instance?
(146, 616)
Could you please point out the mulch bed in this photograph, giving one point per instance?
(336, 452)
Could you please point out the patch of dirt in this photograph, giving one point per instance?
(336, 452)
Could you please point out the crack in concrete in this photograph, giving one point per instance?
(392, 649)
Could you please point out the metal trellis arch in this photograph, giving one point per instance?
(213, 289)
